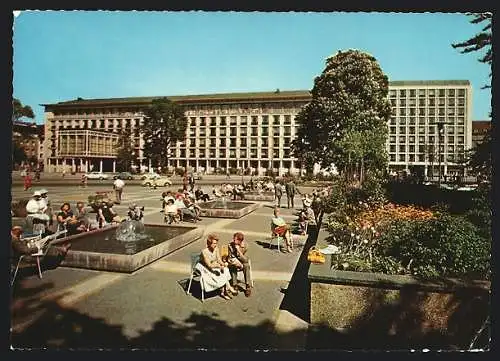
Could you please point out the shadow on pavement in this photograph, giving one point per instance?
(296, 299)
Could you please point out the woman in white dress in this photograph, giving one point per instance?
(214, 271)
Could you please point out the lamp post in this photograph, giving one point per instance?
(440, 126)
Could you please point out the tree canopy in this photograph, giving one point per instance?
(19, 110)
(164, 125)
(345, 123)
(126, 152)
(481, 41)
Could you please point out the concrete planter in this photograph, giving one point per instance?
(369, 310)
(127, 262)
(246, 207)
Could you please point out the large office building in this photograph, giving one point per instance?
(430, 127)
(29, 136)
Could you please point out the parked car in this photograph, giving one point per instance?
(124, 175)
(97, 175)
(150, 175)
(197, 176)
(156, 181)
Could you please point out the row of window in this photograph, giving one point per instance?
(423, 158)
(286, 132)
(425, 148)
(428, 130)
(241, 120)
(423, 102)
(234, 153)
(429, 139)
(431, 121)
(428, 111)
(426, 92)
(232, 142)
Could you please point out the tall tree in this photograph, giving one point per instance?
(481, 41)
(164, 125)
(345, 123)
(126, 152)
(479, 158)
(19, 110)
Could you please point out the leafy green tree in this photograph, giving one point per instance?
(481, 41)
(164, 125)
(126, 152)
(19, 110)
(18, 153)
(479, 158)
(345, 123)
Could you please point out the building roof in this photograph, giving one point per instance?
(478, 125)
(428, 82)
(219, 97)
(232, 97)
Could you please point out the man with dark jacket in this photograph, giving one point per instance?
(290, 189)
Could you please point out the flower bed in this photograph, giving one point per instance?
(396, 239)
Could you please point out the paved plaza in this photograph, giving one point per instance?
(149, 309)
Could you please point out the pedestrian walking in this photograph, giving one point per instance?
(64, 172)
(27, 181)
(291, 189)
(83, 180)
(278, 193)
(118, 185)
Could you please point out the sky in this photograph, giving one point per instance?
(63, 55)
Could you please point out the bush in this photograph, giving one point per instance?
(447, 246)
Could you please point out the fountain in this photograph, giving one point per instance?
(259, 196)
(226, 208)
(127, 246)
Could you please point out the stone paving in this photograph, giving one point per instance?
(149, 308)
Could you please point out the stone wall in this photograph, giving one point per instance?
(374, 310)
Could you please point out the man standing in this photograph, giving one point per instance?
(118, 185)
(291, 189)
(238, 260)
(278, 193)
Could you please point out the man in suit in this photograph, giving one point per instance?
(290, 189)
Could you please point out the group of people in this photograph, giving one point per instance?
(41, 218)
(219, 267)
(230, 191)
(180, 206)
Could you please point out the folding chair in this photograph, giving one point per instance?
(43, 245)
(195, 258)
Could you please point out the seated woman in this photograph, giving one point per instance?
(214, 271)
(171, 212)
(281, 228)
(68, 221)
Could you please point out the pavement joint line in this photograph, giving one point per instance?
(72, 294)
(184, 267)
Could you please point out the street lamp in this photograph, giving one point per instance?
(440, 126)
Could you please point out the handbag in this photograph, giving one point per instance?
(315, 256)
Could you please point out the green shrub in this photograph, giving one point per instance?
(448, 246)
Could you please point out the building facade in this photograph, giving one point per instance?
(430, 127)
(479, 130)
(30, 137)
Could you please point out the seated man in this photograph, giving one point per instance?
(67, 220)
(200, 195)
(106, 215)
(21, 248)
(238, 191)
(84, 218)
(281, 228)
(238, 260)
